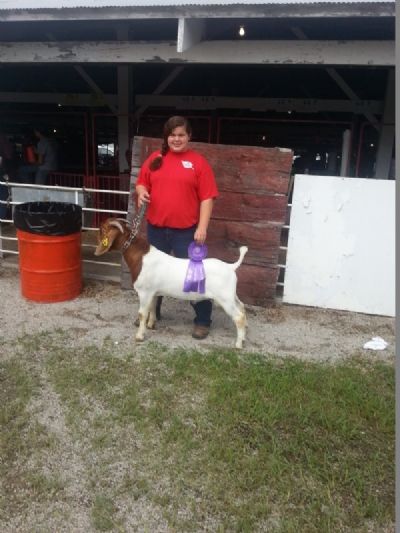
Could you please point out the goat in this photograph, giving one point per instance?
(155, 273)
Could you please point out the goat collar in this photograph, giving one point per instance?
(137, 220)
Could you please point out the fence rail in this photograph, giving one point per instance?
(52, 190)
(109, 199)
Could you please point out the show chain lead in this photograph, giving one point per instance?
(136, 222)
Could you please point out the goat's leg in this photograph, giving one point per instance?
(235, 309)
(152, 314)
(240, 323)
(242, 308)
(145, 302)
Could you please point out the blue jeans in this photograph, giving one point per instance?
(177, 240)
(32, 174)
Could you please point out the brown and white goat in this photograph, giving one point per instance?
(155, 273)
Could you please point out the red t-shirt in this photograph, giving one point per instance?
(176, 189)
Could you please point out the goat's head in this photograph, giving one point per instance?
(109, 231)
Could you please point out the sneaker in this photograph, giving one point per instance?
(200, 332)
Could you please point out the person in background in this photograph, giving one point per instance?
(46, 160)
(8, 168)
(179, 186)
(8, 157)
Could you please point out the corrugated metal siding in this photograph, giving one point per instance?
(63, 4)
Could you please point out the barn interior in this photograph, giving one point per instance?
(333, 113)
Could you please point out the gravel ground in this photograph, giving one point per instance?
(104, 310)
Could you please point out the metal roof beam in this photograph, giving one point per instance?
(334, 74)
(276, 10)
(190, 32)
(160, 88)
(299, 105)
(96, 88)
(291, 52)
(62, 99)
(387, 131)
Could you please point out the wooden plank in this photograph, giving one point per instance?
(257, 285)
(248, 168)
(257, 178)
(250, 207)
(225, 238)
(251, 169)
(263, 239)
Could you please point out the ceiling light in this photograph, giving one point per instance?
(242, 31)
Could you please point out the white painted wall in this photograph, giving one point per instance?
(341, 249)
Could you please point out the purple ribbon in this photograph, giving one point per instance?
(195, 280)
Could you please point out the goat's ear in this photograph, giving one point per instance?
(115, 222)
(107, 235)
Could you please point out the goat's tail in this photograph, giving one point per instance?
(243, 251)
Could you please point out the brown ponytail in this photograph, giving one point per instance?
(158, 160)
(169, 126)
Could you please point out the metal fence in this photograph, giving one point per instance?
(96, 204)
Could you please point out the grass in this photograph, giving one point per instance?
(214, 441)
(20, 437)
(103, 512)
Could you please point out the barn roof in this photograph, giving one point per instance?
(73, 4)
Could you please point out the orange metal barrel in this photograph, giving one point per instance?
(50, 266)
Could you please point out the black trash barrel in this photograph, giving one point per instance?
(49, 243)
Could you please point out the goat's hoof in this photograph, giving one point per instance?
(139, 338)
(151, 326)
(239, 345)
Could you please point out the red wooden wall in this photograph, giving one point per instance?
(250, 210)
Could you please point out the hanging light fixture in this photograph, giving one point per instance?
(242, 31)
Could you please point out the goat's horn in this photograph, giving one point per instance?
(116, 224)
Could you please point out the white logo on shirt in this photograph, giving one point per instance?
(187, 164)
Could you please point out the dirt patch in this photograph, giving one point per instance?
(103, 311)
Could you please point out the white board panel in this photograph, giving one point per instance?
(341, 248)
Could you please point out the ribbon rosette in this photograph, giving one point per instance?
(195, 280)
